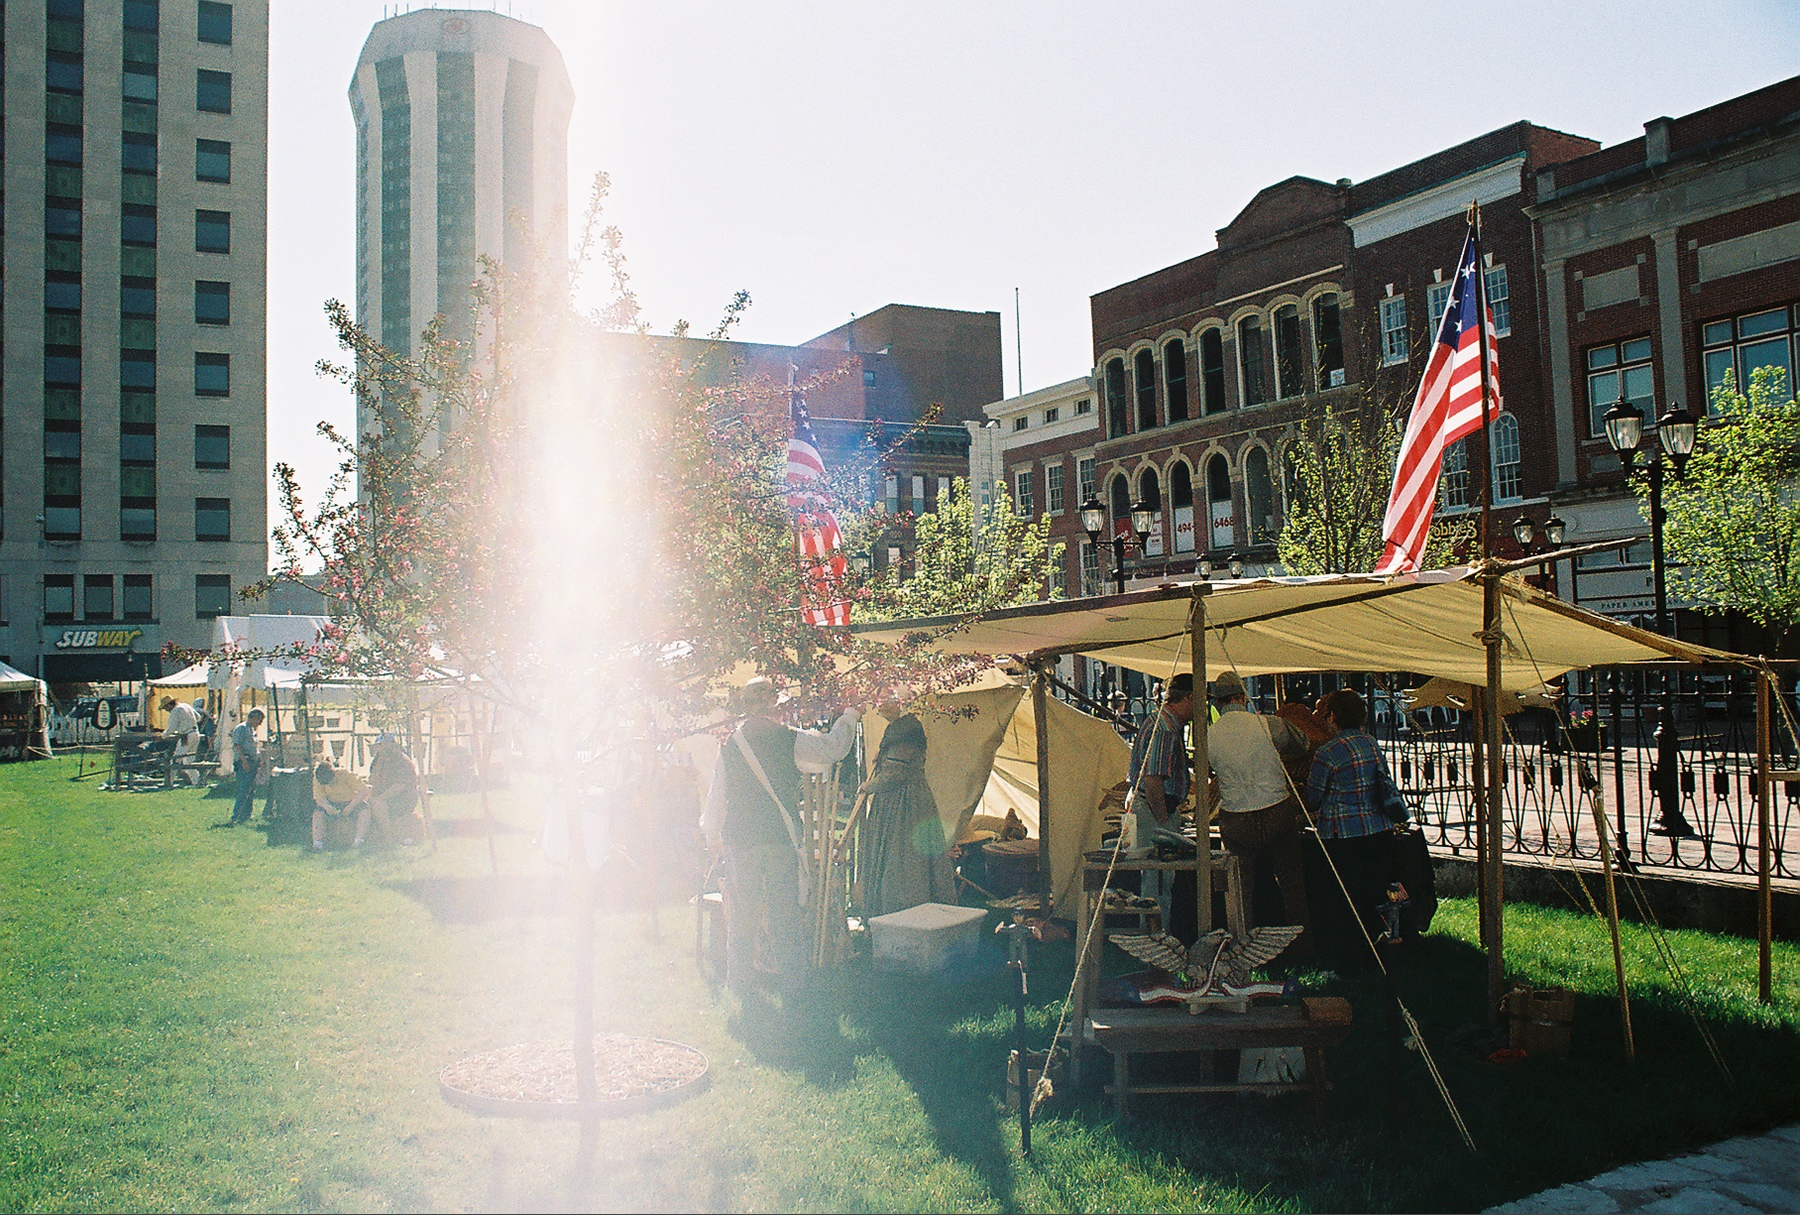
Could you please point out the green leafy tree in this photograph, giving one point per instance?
(967, 558)
(1732, 529)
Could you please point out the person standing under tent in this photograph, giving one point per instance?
(246, 762)
(1259, 814)
(752, 820)
(906, 856)
(1346, 793)
(1159, 776)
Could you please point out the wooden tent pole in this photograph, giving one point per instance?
(1202, 766)
(1478, 793)
(1040, 698)
(1496, 791)
(1765, 918)
(1612, 916)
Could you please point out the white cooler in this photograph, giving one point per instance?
(918, 940)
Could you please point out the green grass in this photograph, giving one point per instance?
(192, 1020)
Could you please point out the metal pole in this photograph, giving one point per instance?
(1765, 909)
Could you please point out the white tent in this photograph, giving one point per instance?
(257, 638)
(30, 708)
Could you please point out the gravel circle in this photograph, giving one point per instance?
(537, 1079)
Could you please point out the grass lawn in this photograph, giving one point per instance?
(192, 1020)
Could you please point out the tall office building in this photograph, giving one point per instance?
(134, 497)
(462, 123)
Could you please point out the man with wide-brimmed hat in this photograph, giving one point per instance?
(752, 820)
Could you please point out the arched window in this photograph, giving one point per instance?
(1218, 501)
(1453, 482)
(1212, 371)
(1259, 496)
(1328, 341)
(1250, 361)
(1181, 506)
(1290, 379)
(1175, 390)
(1121, 499)
(1117, 420)
(1506, 459)
(1293, 489)
(1146, 390)
(1150, 494)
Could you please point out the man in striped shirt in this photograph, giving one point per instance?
(1345, 794)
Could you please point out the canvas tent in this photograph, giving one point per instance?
(259, 637)
(187, 684)
(24, 715)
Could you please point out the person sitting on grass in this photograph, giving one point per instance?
(337, 792)
(394, 789)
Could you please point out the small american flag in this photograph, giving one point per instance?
(817, 541)
(1447, 407)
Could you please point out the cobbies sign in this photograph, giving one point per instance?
(90, 640)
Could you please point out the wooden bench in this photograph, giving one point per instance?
(1124, 1032)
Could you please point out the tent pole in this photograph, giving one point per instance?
(1765, 786)
(1612, 916)
(1040, 697)
(1202, 767)
(1496, 783)
(1478, 792)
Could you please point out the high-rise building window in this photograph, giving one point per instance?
(141, 15)
(140, 602)
(212, 91)
(97, 597)
(212, 160)
(62, 143)
(137, 225)
(212, 518)
(138, 154)
(137, 297)
(62, 292)
(139, 82)
(59, 598)
(212, 303)
(63, 443)
(212, 375)
(215, 22)
(62, 72)
(137, 444)
(62, 366)
(212, 447)
(212, 231)
(212, 596)
(62, 217)
(137, 370)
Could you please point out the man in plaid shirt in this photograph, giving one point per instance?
(1345, 794)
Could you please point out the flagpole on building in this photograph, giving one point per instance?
(1493, 889)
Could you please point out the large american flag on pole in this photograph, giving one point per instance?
(1447, 407)
(817, 541)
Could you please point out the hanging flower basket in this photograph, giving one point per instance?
(537, 1079)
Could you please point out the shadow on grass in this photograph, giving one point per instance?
(472, 828)
(479, 900)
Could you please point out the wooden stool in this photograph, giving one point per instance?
(709, 938)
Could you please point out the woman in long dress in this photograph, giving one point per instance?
(906, 856)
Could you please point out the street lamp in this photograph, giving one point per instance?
(1093, 522)
(1525, 532)
(1675, 433)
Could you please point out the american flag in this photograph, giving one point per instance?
(817, 541)
(1447, 407)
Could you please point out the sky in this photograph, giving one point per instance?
(833, 157)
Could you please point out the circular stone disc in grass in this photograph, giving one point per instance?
(537, 1079)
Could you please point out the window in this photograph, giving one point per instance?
(1222, 529)
(1052, 414)
(137, 513)
(1090, 569)
(1620, 371)
(139, 603)
(1453, 482)
(1393, 330)
(893, 495)
(918, 494)
(1259, 496)
(62, 143)
(1150, 494)
(1084, 478)
(212, 303)
(1212, 371)
(1745, 344)
(1053, 488)
(868, 377)
(1437, 302)
(212, 518)
(212, 160)
(137, 444)
(215, 22)
(137, 370)
(1145, 367)
(140, 15)
(1290, 378)
(71, 9)
(97, 597)
(1506, 459)
(62, 72)
(943, 493)
(1118, 421)
(1499, 300)
(1021, 422)
(59, 598)
(1175, 389)
(212, 91)
(1250, 361)
(62, 292)
(62, 366)
(1120, 494)
(212, 447)
(1328, 341)
(137, 225)
(1084, 406)
(63, 444)
(62, 217)
(1023, 502)
(212, 232)
(139, 83)
(212, 375)
(1181, 505)
(138, 154)
(212, 596)
(137, 297)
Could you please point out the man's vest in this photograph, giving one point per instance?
(1251, 776)
(751, 819)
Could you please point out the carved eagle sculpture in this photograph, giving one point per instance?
(1217, 960)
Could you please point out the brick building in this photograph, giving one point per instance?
(1040, 444)
(1667, 259)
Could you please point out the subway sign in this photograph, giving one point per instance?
(80, 640)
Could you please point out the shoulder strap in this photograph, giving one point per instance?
(762, 778)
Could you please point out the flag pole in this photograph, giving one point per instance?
(1493, 889)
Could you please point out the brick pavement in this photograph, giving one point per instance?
(1750, 1173)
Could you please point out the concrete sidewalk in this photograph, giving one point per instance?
(1750, 1173)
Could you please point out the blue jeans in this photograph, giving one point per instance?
(246, 795)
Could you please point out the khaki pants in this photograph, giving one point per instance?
(765, 935)
(1273, 831)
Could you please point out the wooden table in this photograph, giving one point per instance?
(1224, 872)
(1313, 1026)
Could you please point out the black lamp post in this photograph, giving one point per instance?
(1525, 531)
(1093, 522)
(1675, 433)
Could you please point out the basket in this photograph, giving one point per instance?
(1541, 1019)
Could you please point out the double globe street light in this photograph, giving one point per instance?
(1093, 522)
